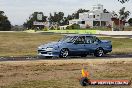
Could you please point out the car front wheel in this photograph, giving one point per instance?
(64, 53)
(99, 52)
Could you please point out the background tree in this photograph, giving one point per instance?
(76, 14)
(123, 15)
(57, 18)
(105, 11)
(123, 1)
(130, 21)
(29, 23)
(5, 24)
(65, 20)
(114, 14)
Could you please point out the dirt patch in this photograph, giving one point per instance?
(14, 74)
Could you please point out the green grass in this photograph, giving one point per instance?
(121, 45)
(129, 28)
(20, 43)
(23, 44)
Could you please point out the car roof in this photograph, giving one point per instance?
(80, 35)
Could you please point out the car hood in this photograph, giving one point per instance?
(52, 44)
(106, 41)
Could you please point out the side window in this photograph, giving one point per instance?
(96, 39)
(89, 40)
(80, 40)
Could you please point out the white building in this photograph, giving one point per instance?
(95, 17)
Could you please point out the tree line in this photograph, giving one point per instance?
(59, 19)
(55, 18)
(5, 24)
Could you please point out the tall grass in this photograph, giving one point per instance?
(19, 44)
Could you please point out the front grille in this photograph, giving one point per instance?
(43, 52)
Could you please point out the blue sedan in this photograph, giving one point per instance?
(76, 45)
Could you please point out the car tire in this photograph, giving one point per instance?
(64, 53)
(99, 52)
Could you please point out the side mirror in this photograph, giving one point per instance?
(98, 42)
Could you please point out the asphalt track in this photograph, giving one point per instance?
(31, 58)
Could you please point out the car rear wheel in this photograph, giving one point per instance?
(64, 53)
(99, 52)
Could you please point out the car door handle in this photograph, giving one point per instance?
(97, 44)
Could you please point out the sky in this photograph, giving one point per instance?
(18, 11)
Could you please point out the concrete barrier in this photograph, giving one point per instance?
(74, 31)
(114, 32)
(82, 32)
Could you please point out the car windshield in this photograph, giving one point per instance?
(68, 39)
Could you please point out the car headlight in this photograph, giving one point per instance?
(49, 49)
(39, 47)
(109, 46)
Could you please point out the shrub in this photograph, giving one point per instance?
(73, 26)
(45, 29)
(69, 27)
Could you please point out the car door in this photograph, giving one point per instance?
(92, 43)
(78, 47)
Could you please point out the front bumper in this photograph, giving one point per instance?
(108, 50)
(48, 53)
